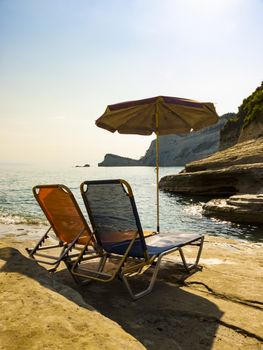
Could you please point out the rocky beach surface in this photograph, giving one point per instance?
(219, 307)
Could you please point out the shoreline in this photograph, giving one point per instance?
(205, 312)
(24, 232)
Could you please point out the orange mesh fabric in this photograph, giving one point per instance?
(63, 213)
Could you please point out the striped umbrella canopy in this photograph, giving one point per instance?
(162, 115)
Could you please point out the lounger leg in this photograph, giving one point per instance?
(102, 262)
(69, 267)
(53, 269)
(156, 270)
(193, 266)
(32, 251)
(183, 260)
(150, 286)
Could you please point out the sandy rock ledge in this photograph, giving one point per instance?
(38, 312)
(218, 307)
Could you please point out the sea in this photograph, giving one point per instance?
(177, 212)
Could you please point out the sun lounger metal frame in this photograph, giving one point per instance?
(124, 269)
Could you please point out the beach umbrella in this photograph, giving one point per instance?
(161, 115)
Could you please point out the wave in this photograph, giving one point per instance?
(16, 219)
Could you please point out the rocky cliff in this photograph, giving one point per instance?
(253, 131)
(247, 124)
(230, 133)
(175, 150)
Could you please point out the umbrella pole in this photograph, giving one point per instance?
(157, 169)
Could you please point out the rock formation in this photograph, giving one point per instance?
(82, 166)
(238, 169)
(253, 130)
(245, 208)
(114, 160)
(248, 152)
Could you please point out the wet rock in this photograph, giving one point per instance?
(238, 169)
(240, 208)
(245, 178)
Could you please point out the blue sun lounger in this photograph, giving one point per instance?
(116, 224)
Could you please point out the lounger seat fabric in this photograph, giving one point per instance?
(155, 244)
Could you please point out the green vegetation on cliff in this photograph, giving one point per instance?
(249, 111)
(252, 107)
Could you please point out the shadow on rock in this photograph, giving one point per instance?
(168, 318)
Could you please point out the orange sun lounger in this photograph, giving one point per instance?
(67, 222)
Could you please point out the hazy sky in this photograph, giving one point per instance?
(62, 62)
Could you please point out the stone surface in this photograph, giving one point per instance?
(217, 308)
(38, 312)
(247, 152)
(252, 131)
(230, 133)
(245, 178)
(240, 208)
(238, 169)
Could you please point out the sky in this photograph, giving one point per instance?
(63, 61)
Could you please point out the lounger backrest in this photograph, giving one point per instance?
(112, 211)
(62, 211)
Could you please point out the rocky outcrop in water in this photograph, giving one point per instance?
(114, 160)
(245, 208)
(176, 150)
(238, 169)
(82, 166)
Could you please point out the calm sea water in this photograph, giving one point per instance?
(177, 213)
